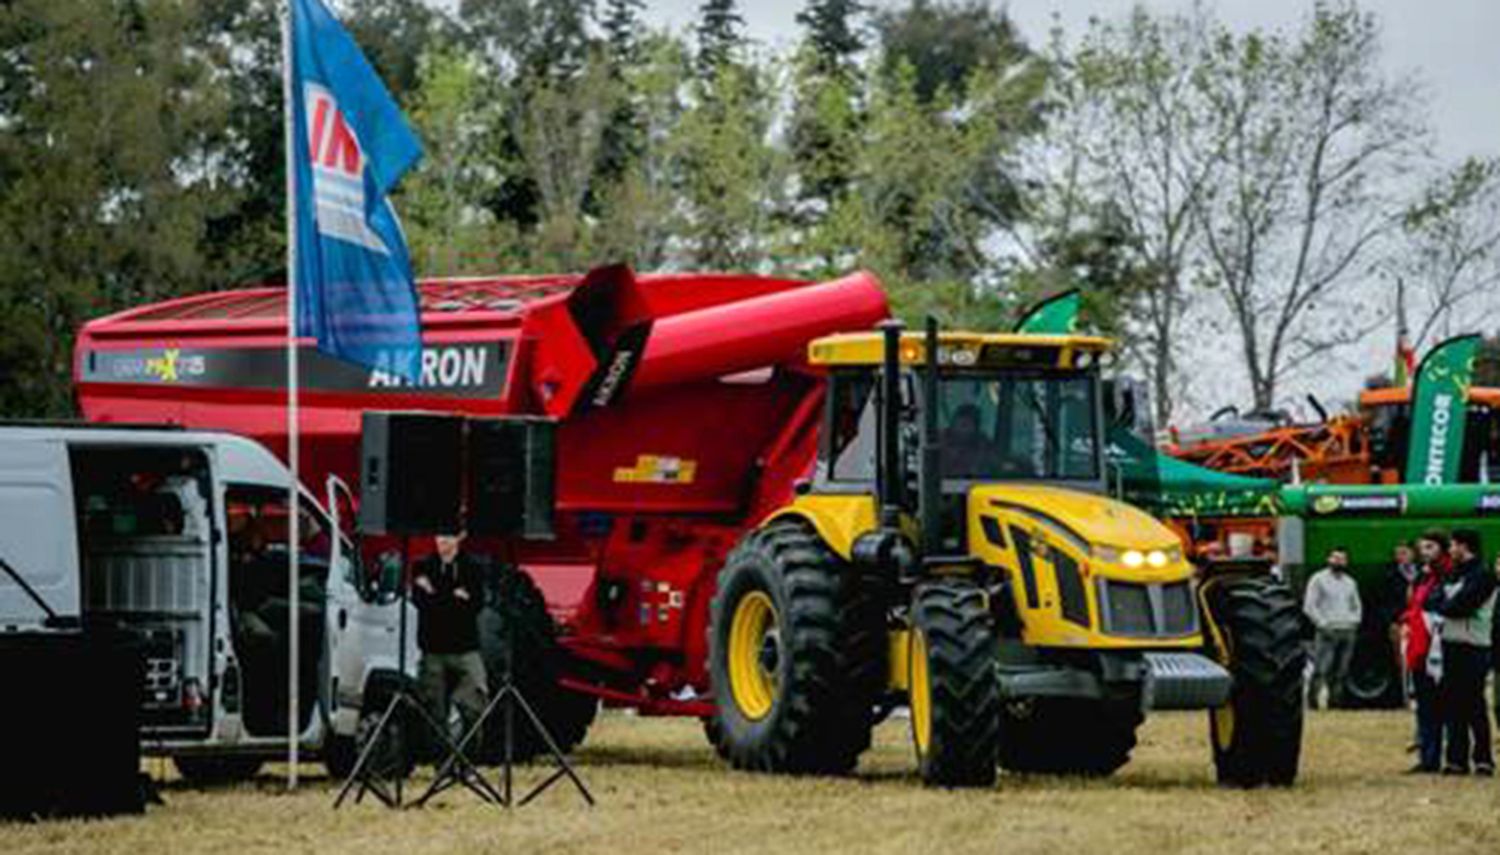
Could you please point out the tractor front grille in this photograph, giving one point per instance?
(1147, 611)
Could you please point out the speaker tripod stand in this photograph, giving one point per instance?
(458, 770)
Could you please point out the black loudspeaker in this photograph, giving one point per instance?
(512, 470)
(411, 473)
(73, 748)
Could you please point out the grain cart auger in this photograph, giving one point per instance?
(955, 549)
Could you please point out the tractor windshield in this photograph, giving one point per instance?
(993, 427)
(1018, 427)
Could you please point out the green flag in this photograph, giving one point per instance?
(1439, 402)
(1053, 316)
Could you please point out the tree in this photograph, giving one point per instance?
(1309, 139)
(641, 213)
(530, 39)
(623, 140)
(1122, 156)
(720, 37)
(245, 235)
(944, 42)
(560, 129)
(394, 35)
(622, 30)
(1448, 258)
(730, 172)
(450, 233)
(107, 159)
(834, 36)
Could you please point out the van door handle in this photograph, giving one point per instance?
(343, 618)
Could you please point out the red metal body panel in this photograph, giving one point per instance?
(687, 412)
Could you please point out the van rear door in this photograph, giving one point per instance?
(38, 536)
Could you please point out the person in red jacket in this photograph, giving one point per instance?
(1432, 549)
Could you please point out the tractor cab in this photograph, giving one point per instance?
(1005, 409)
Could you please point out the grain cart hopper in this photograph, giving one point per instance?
(687, 410)
(955, 549)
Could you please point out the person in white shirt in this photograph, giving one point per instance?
(1332, 603)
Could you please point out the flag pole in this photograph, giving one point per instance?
(292, 433)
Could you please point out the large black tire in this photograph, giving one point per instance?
(955, 694)
(1257, 736)
(824, 655)
(1068, 736)
(339, 756)
(514, 598)
(217, 771)
(395, 755)
(1374, 680)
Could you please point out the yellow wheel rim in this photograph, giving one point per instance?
(754, 655)
(920, 692)
(1224, 726)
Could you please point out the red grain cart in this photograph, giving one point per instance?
(687, 411)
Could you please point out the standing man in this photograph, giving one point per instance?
(1466, 601)
(1395, 596)
(446, 589)
(1396, 592)
(1495, 642)
(1432, 548)
(1332, 604)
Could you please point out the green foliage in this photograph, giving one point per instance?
(622, 31)
(945, 42)
(721, 37)
(110, 127)
(834, 35)
(728, 166)
(448, 233)
(395, 35)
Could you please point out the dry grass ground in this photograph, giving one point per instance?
(660, 789)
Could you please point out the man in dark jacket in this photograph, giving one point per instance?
(446, 589)
(1465, 600)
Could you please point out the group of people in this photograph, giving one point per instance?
(1439, 611)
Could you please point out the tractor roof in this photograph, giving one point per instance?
(964, 350)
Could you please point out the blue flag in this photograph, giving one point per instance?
(355, 291)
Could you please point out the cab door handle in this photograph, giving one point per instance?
(343, 618)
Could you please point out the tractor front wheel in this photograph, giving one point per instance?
(1257, 736)
(795, 655)
(954, 692)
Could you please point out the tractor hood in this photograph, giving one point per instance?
(1093, 519)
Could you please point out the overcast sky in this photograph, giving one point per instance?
(1449, 43)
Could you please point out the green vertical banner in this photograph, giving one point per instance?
(1439, 402)
(1053, 316)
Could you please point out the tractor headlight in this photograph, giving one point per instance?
(1156, 558)
(1132, 558)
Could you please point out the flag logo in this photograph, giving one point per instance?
(338, 173)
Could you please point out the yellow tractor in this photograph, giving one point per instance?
(956, 551)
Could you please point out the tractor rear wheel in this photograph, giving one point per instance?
(1068, 736)
(796, 655)
(1257, 736)
(954, 693)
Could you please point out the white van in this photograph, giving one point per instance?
(181, 536)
